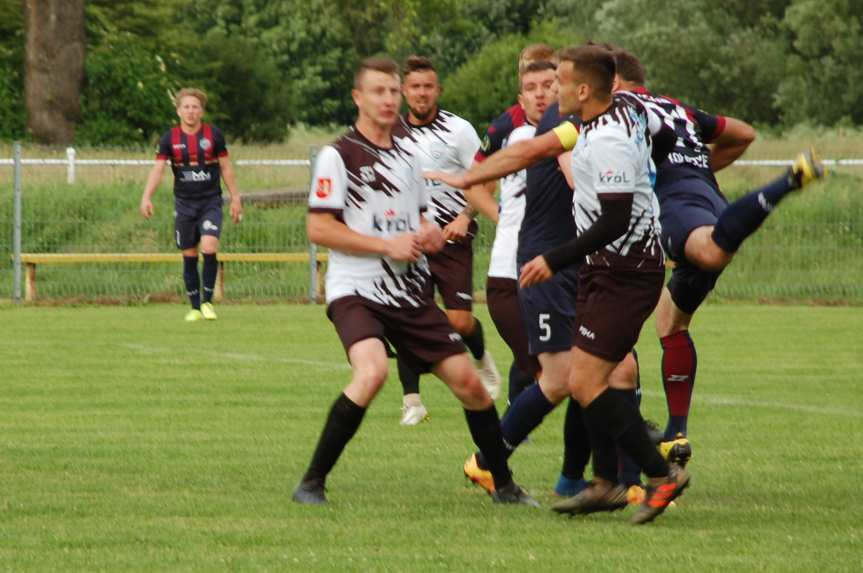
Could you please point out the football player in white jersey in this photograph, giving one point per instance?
(619, 285)
(366, 205)
(445, 142)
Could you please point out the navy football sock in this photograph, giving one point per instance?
(524, 415)
(744, 216)
(475, 341)
(208, 274)
(410, 380)
(192, 281)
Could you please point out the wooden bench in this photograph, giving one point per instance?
(33, 259)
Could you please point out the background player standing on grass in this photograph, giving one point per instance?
(619, 284)
(445, 142)
(701, 232)
(199, 160)
(366, 204)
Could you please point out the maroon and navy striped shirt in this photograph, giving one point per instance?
(194, 160)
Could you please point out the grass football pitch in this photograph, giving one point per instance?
(130, 440)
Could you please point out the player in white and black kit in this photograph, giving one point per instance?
(620, 281)
(445, 142)
(366, 204)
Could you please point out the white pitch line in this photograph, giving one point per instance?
(714, 400)
(246, 357)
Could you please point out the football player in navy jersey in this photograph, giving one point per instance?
(701, 232)
(199, 160)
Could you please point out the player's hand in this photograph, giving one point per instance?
(535, 272)
(404, 247)
(457, 180)
(236, 208)
(431, 239)
(457, 228)
(146, 208)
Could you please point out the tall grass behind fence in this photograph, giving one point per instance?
(811, 248)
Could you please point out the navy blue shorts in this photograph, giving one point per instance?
(195, 218)
(685, 206)
(549, 312)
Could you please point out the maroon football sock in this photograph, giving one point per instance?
(679, 362)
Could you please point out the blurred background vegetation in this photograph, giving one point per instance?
(269, 66)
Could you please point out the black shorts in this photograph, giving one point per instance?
(502, 297)
(194, 218)
(421, 336)
(612, 307)
(549, 311)
(685, 206)
(452, 274)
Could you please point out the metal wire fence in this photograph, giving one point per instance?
(810, 250)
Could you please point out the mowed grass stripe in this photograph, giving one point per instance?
(131, 440)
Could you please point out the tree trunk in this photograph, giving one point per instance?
(54, 68)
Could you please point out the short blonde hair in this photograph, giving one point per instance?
(193, 92)
(535, 53)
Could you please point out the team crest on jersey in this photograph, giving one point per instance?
(205, 143)
(324, 187)
(367, 174)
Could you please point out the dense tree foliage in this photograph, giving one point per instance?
(269, 65)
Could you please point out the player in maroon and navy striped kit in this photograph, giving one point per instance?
(199, 160)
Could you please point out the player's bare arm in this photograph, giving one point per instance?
(430, 238)
(325, 230)
(731, 143)
(481, 198)
(506, 161)
(231, 183)
(153, 180)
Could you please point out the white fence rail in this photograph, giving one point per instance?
(72, 160)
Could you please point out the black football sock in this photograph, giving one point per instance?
(743, 217)
(410, 380)
(611, 414)
(604, 451)
(518, 381)
(629, 473)
(208, 274)
(576, 442)
(342, 423)
(475, 341)
(484, 427)
(192, 281)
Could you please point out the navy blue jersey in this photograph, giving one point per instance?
(194, 161)
(548, 219)
(694, 128)
(499, 131)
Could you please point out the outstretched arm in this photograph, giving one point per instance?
(514, 158)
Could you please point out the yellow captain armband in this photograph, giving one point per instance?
(567, 134)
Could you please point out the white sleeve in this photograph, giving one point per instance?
(614, 161)
(467, 145)
(654, 121)
(329, 182)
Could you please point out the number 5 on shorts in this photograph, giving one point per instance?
(544, 327)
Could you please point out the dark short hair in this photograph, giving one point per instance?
(628, 66)
(382, 64)
(595, 63)
(539, 66)
(535, 53)
(417, 63)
